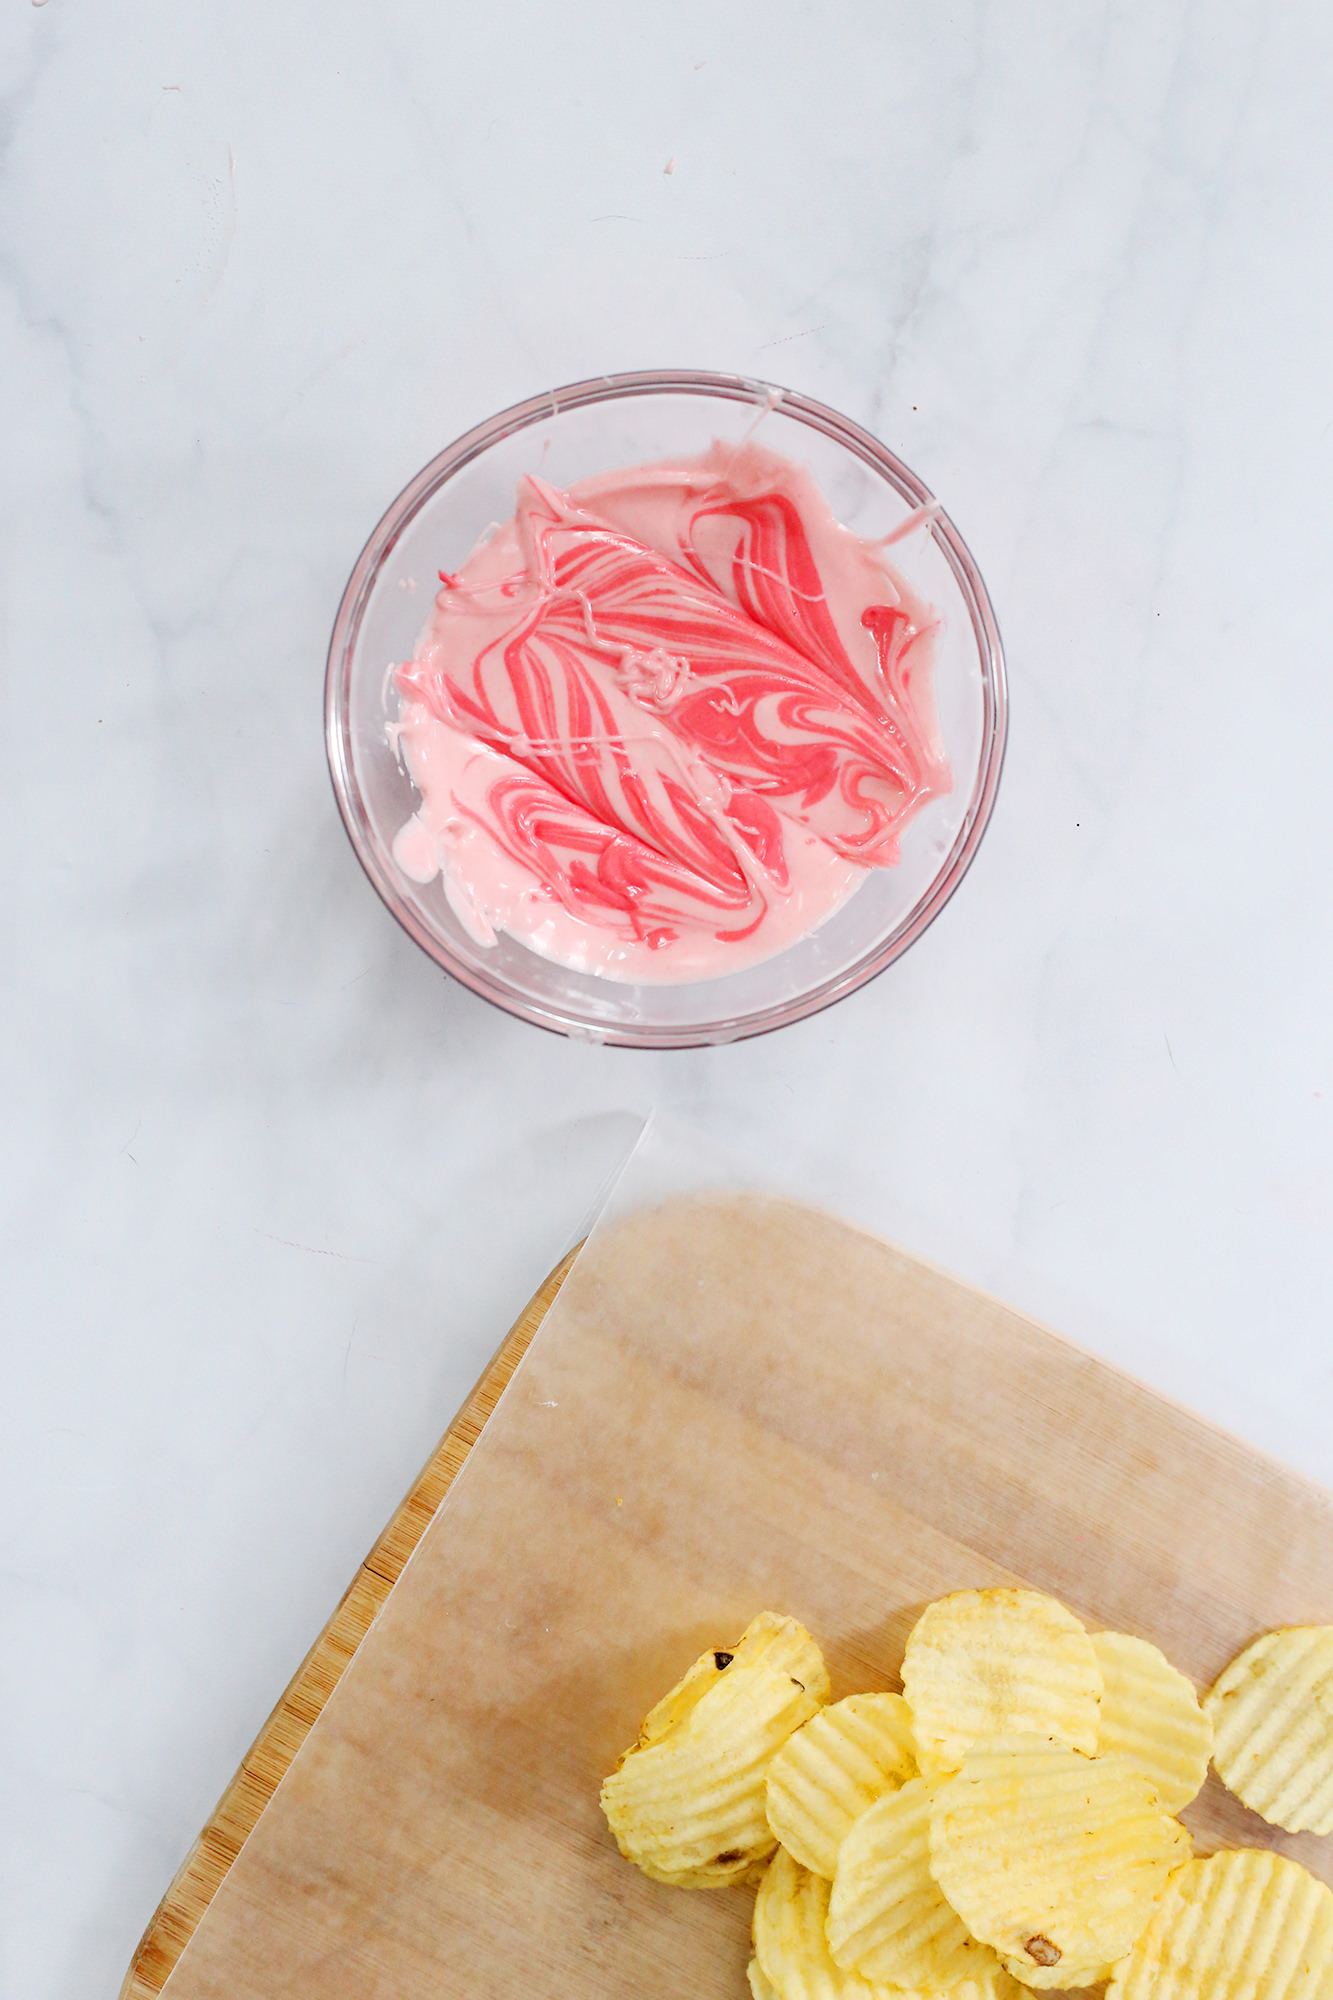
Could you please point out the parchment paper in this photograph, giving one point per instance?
(736, 1403)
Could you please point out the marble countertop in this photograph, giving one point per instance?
(275, 1187)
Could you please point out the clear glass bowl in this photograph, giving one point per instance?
(594, 427)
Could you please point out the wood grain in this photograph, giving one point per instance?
(269, 1756)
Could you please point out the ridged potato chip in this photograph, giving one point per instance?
(778, 1642)
(1272, 1717)
(790, 1943)
(689, 1809)
(1073, 1982)
(995, 1982)
(759, 1986)
(1097, 1977)
(1151, 1713)
(887, 1919)
(687, 1803)
(832, 1769)
(1054, 1858)
(1242, 1925)
(987, 1663)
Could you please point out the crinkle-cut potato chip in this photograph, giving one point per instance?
(778, 1642)
(1097, 1977)
(995, 1982)
(1272, 1716)
(790, 1942)
(987, 1663)
(1054, 1858)
(687, 1803)
(1242, 1925)
(689, 1809)
(832, 1769)
(887, 1918)
(1151, 1713)
(759, 1986)
(1073, 1982)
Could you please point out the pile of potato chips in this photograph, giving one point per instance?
(1007, 1822)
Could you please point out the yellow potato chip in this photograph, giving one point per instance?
(986, 1663)
(1151, 1713)
(1054, 1858)
(1097, 1977)
(790, 1943)
(687, 1803)
(991, 1983)
(759, 1986)
(996, 1982)
(887, 1918)
(1243, 1925)
(1272, 1717)
(832, 1769)
(778, 1642)
(1075, 1982)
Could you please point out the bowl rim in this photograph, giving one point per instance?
(505, 423)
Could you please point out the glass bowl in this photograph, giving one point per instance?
(568, 435)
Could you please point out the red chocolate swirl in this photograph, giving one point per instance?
(661, 723)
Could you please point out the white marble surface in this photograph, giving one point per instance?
(274, 1187)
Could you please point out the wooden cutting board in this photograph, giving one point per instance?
(269, 1757)
(734, 1403)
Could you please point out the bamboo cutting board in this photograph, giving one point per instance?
(269, 1757)
(734, 1403)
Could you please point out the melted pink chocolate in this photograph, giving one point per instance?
(662, 723)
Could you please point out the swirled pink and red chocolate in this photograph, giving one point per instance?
(662, 724)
